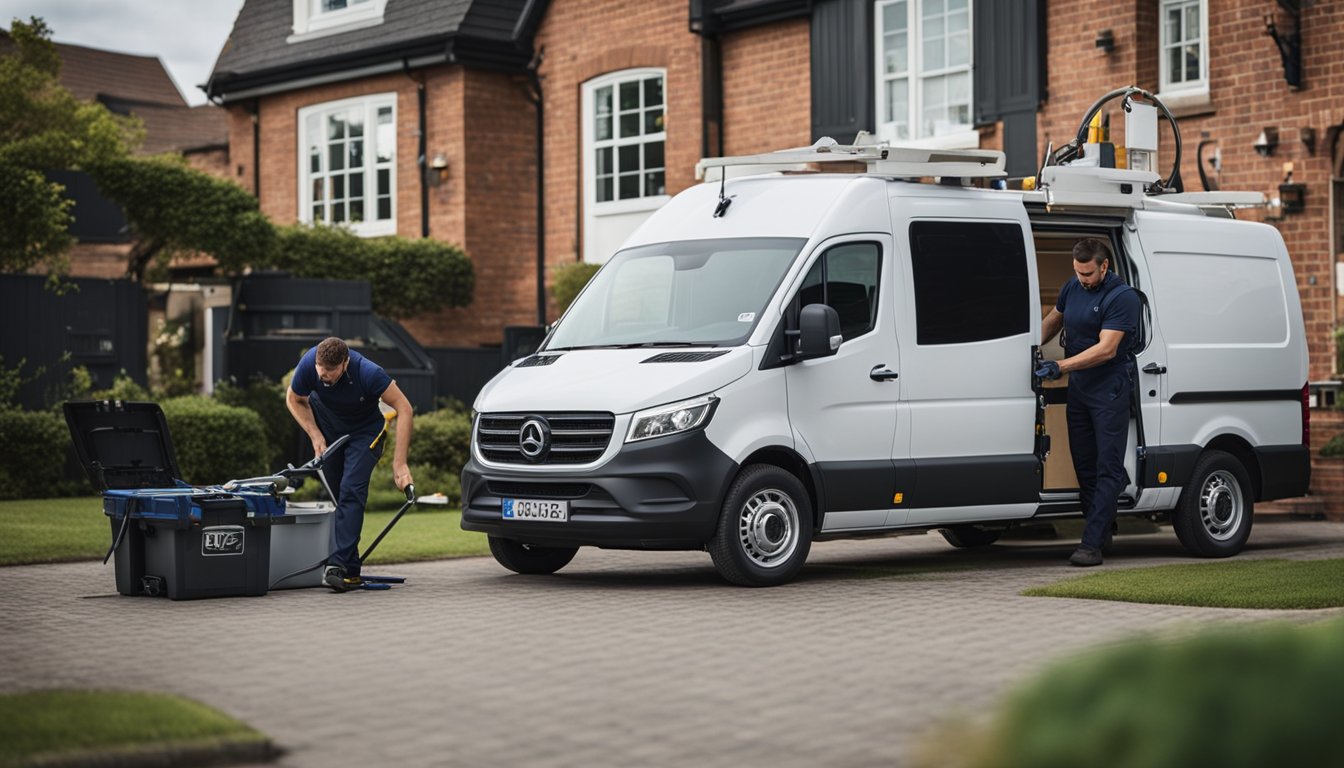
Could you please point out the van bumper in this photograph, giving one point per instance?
(663, 493)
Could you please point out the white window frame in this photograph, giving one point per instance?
(590, 144)
(371, 104)
(961, 136)
(310, 22)
(1190, 87)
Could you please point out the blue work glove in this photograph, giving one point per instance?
(1048, 369)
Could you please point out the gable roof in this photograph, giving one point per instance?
(258, 56)
(128, 84)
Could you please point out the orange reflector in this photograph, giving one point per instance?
(898, 498)
(1161, 477)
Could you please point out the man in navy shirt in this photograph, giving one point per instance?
(335, 391)
(1100, 318)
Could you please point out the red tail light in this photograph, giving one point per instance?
(1306, 414)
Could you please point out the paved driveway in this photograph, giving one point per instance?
(622, 659)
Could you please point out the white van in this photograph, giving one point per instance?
(831, 355)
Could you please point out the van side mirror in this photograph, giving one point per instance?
(818, 331)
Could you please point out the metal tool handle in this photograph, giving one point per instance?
(410, 500)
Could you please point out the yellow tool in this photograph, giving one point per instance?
(387, 420)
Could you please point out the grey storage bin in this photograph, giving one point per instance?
(300, 538)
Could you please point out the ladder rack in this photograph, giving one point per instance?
(903, 162)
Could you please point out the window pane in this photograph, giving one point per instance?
(318, 186)
(356, 154)
(629, 124)
(628, 159)
(338, 213)
(896, 57)
(356, 185)
(959, 88)
(335, 157)
(317, 213)
(315, 160)
(933, 7)
(653, 155)
(604, 162)
(386, 138)
(602, 112)
(894, 17)
(1192, 30)
(956, 5)
(604, 189)
(337, 187)
(384, 182)
(958, 50)
(933, 27)
(958, 22)
(653, 184)
(356, 210)
(933, 54)
(354, 120)
(970, 281)
(629, 185)
(331, 5)
(1173, 25)
(653, 121)
(898, 101)
(1191, 62)
(630, 95)
(851, 286)
(653, 92)
(384, 208)
(603, 128)
(1174, 65)
(336, 126)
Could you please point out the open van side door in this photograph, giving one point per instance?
(968, 322)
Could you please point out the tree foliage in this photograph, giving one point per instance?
(220, 219)
(407, 276)
(44, 127)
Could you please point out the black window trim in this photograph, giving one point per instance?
(778, 353)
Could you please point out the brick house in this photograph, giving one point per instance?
(632, 94)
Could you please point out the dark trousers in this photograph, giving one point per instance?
(1098, 417)
(347, 472)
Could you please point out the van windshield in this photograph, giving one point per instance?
(689, 293)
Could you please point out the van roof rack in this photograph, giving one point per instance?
(904, 162)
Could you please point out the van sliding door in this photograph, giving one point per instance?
(967, 328)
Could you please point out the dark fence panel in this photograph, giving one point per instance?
(463, 371)
(101, 324)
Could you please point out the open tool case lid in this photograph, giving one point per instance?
(122, 445)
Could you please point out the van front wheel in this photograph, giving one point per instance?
(1213, 517)
(765, 528)
(526, 558)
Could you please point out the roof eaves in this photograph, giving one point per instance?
(744, 14)
(227, 86)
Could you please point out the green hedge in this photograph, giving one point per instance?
(265, 398)
(215, 442)
(32, 455)
(568, 280)
(1240, 698)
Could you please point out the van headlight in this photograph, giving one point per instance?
(671, 419)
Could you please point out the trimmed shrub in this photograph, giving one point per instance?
(442, 440)
(567, 281)
(1334, 447)
(1247, 697)
(32, 455)
(265, 398)
(215, 442)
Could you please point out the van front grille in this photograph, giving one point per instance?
(574, 438)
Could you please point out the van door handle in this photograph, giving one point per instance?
(1155, 369)
(881, 372)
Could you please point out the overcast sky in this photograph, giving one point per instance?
(185, 34)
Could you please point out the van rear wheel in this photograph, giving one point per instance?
(765, 528)
(1213, 516)
(963, 536)
(528, 558)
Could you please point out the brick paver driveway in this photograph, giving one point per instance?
(622, 659)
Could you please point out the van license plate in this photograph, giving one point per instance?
(536, 509)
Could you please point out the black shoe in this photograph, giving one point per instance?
(1085, 557)
(336, 578)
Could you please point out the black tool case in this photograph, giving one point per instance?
(169, 538)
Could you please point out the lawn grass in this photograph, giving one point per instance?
(62, 530)
(1222, 584)
(41, 726)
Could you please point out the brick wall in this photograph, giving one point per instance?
(587, 38)
(1247, 93)
(767, 88)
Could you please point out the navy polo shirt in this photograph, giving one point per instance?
(1084, 318)
(353, 399)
